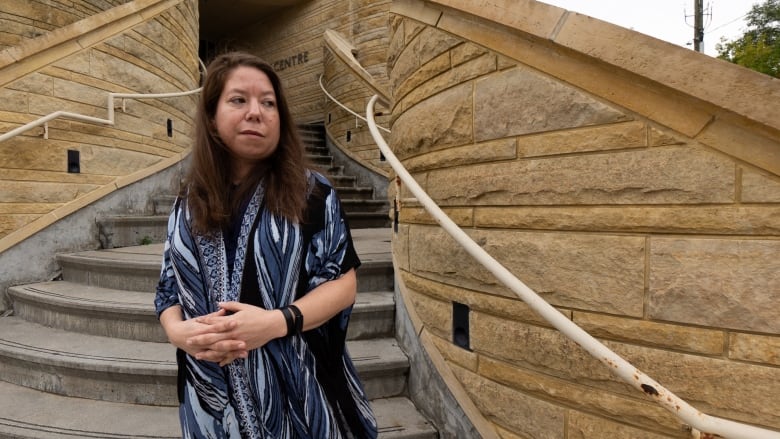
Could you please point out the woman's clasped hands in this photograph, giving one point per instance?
(231, 332)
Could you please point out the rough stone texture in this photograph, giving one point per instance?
(669, 175)
(445, 78)
(717, 386)
(521, 101)
(413, 214)
(429, 390)
(595, 272)
(451, 127)
(633, 411)
(719, 283)
(760, 188)
(299, 29)
(600, 138)
(644, 208)
(583, 426)
(515, 410)
(507, 307)
(504, 149)
(755, 348)
(662, 335)
(721, 220)
(74, 73)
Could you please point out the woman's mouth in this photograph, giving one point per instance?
(251, 133)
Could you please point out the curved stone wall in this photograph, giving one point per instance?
(146, 46)
(637, 208)
(27, 19)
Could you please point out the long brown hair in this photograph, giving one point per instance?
(211, 196)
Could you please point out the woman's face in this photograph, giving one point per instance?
(247, 119)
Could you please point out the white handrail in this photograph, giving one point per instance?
(630, 374)
(344, 107)
(108, 121)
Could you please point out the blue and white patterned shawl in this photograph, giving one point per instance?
(295, 387)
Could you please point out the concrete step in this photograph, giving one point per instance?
(86, 366)
(137, 268)
(130, 315)
(368, 220)
(131, 230)
(137, 372)
(31, 414)
(352, 206)
(398, 418)
(324, 161)
(355, 193)
(343, 180)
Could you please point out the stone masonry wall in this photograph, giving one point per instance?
(155, 56)
(27, 19)
(661, 246)
(293, 42)
(350, 133)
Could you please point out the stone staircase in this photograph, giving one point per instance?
(85, 356)
(362, 208)
(360, 205)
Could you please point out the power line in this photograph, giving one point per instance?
(726, 24)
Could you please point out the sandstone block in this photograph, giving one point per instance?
(504, 149)
(435, 314)
(516, 411)
(592, 272)
(455, 354)
(14, 101)
(741, 391)
(414, 133)
(661, 335)
(744, 143)
(755, 348)
(521, 101)
(669, 175)
(400, 247)
(427, 45)
(616, 136)
(583, 426)
(461, 216)
(448, 78)
(727, 220)
(638, 413)
(506, 307)
(760, 188)
(466, 52)
(658, 137)
(723, 283)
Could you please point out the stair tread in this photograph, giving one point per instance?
(398, 418)
(370, 244)
(54, 347)
(86, 297)
(28, 413)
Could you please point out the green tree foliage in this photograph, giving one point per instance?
(759, 47)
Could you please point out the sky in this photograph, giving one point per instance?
(669, 20)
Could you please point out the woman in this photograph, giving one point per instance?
(258, 275)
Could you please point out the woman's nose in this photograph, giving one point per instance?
(253, 110)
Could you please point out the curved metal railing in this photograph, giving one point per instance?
(357, 116)
(699, 421)
(81, 117)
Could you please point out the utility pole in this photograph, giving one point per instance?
(698, 25)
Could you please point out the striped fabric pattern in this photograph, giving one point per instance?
(301, 386)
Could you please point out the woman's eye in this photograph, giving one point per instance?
(269, 104)
(236, 100)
